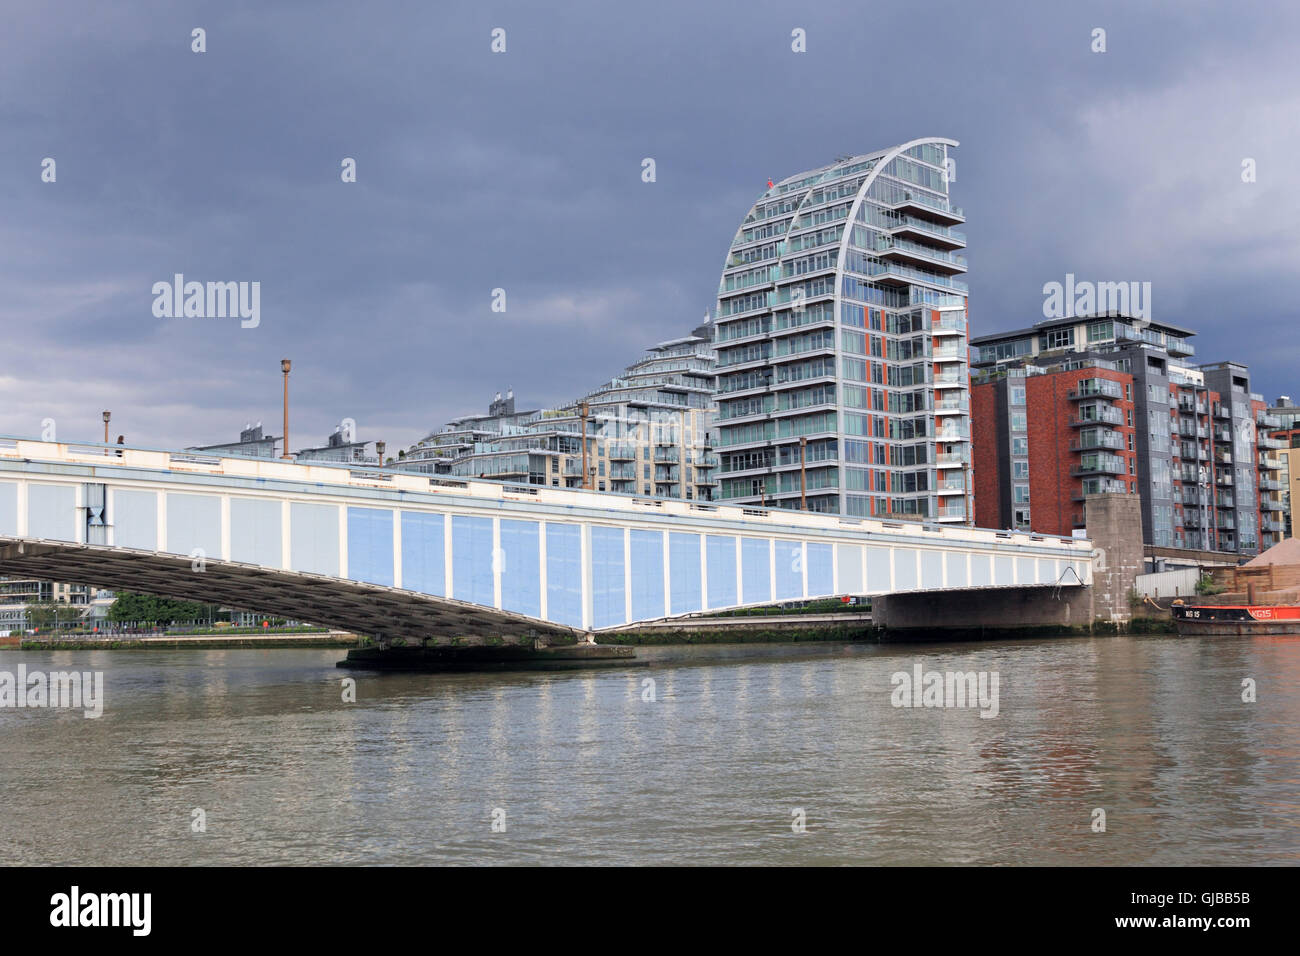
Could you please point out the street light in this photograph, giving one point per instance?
(107, 416)
(803, 472)
(379, 447)
(284, 367)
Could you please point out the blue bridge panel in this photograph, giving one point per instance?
(931, 569)
(607, 592)
(956, 570)
(850, 571)
(789, 569)
(314, 540)
(878, 570)
(905, 570)
(684, 570)
(647, 574)
(134, 517)
(370, 545)
(821, 570)
(471, 560)
(521, 567)
(756, 567)
(564, 574)
(194, 524)
(51, 512)
(255, 533)
(722, 570)
(424, 566)
(8, 508)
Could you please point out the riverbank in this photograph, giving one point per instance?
(858, 628)
(318, 639)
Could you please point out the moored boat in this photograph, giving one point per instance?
(1237, 619)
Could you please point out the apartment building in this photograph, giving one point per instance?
(1182, 436)
(843, 383)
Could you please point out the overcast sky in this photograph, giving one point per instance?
(522, 171)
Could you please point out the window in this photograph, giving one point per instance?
(1019, 422)
(1017, 395)
(1020, 446)
(1020, 493)
(1058, 339)
(1020, 469)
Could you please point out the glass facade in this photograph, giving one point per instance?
(842, 321)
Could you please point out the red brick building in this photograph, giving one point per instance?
(1046, 438)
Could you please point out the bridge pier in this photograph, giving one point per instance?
(978, 613)
(1114, 526)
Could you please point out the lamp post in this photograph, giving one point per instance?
(582, 410)
(379, 447)
(284, 367)
(107, 417)
(803, 472)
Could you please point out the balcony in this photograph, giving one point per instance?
(931, 232)
(1097, 415)
(1225, 500)
(1267, 441)
(949, 354)
(1100, 464)
(952, 406)
(1268, 421)
(950, 323)
(1269, 463)
(1221, 412)
(923, 206)
(1270, 484)
(1270, 504)
(1096, 388)
(1223, 479)
(1270, 525)
(1098, 438)
(925, 257)
(950, 460)
(622, 453)
(1100, 486)
(666, 473)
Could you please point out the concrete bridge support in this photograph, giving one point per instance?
(1114, 524)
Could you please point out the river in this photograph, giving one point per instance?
(790, 754)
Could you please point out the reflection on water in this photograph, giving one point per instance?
(588, 769)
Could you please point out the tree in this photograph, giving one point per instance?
(148, 609)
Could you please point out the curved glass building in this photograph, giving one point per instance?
(843, 383)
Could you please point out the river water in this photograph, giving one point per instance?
(717, 761)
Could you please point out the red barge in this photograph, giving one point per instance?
(1236, 619)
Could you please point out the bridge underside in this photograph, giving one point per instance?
(354, 606)
(976, 611)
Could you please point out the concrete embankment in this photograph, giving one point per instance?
(194, 642)
(746, 629)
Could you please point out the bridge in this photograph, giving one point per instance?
(388, 553)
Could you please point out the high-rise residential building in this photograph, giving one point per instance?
(648, 432)
(1182, 436)
(843, 383)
